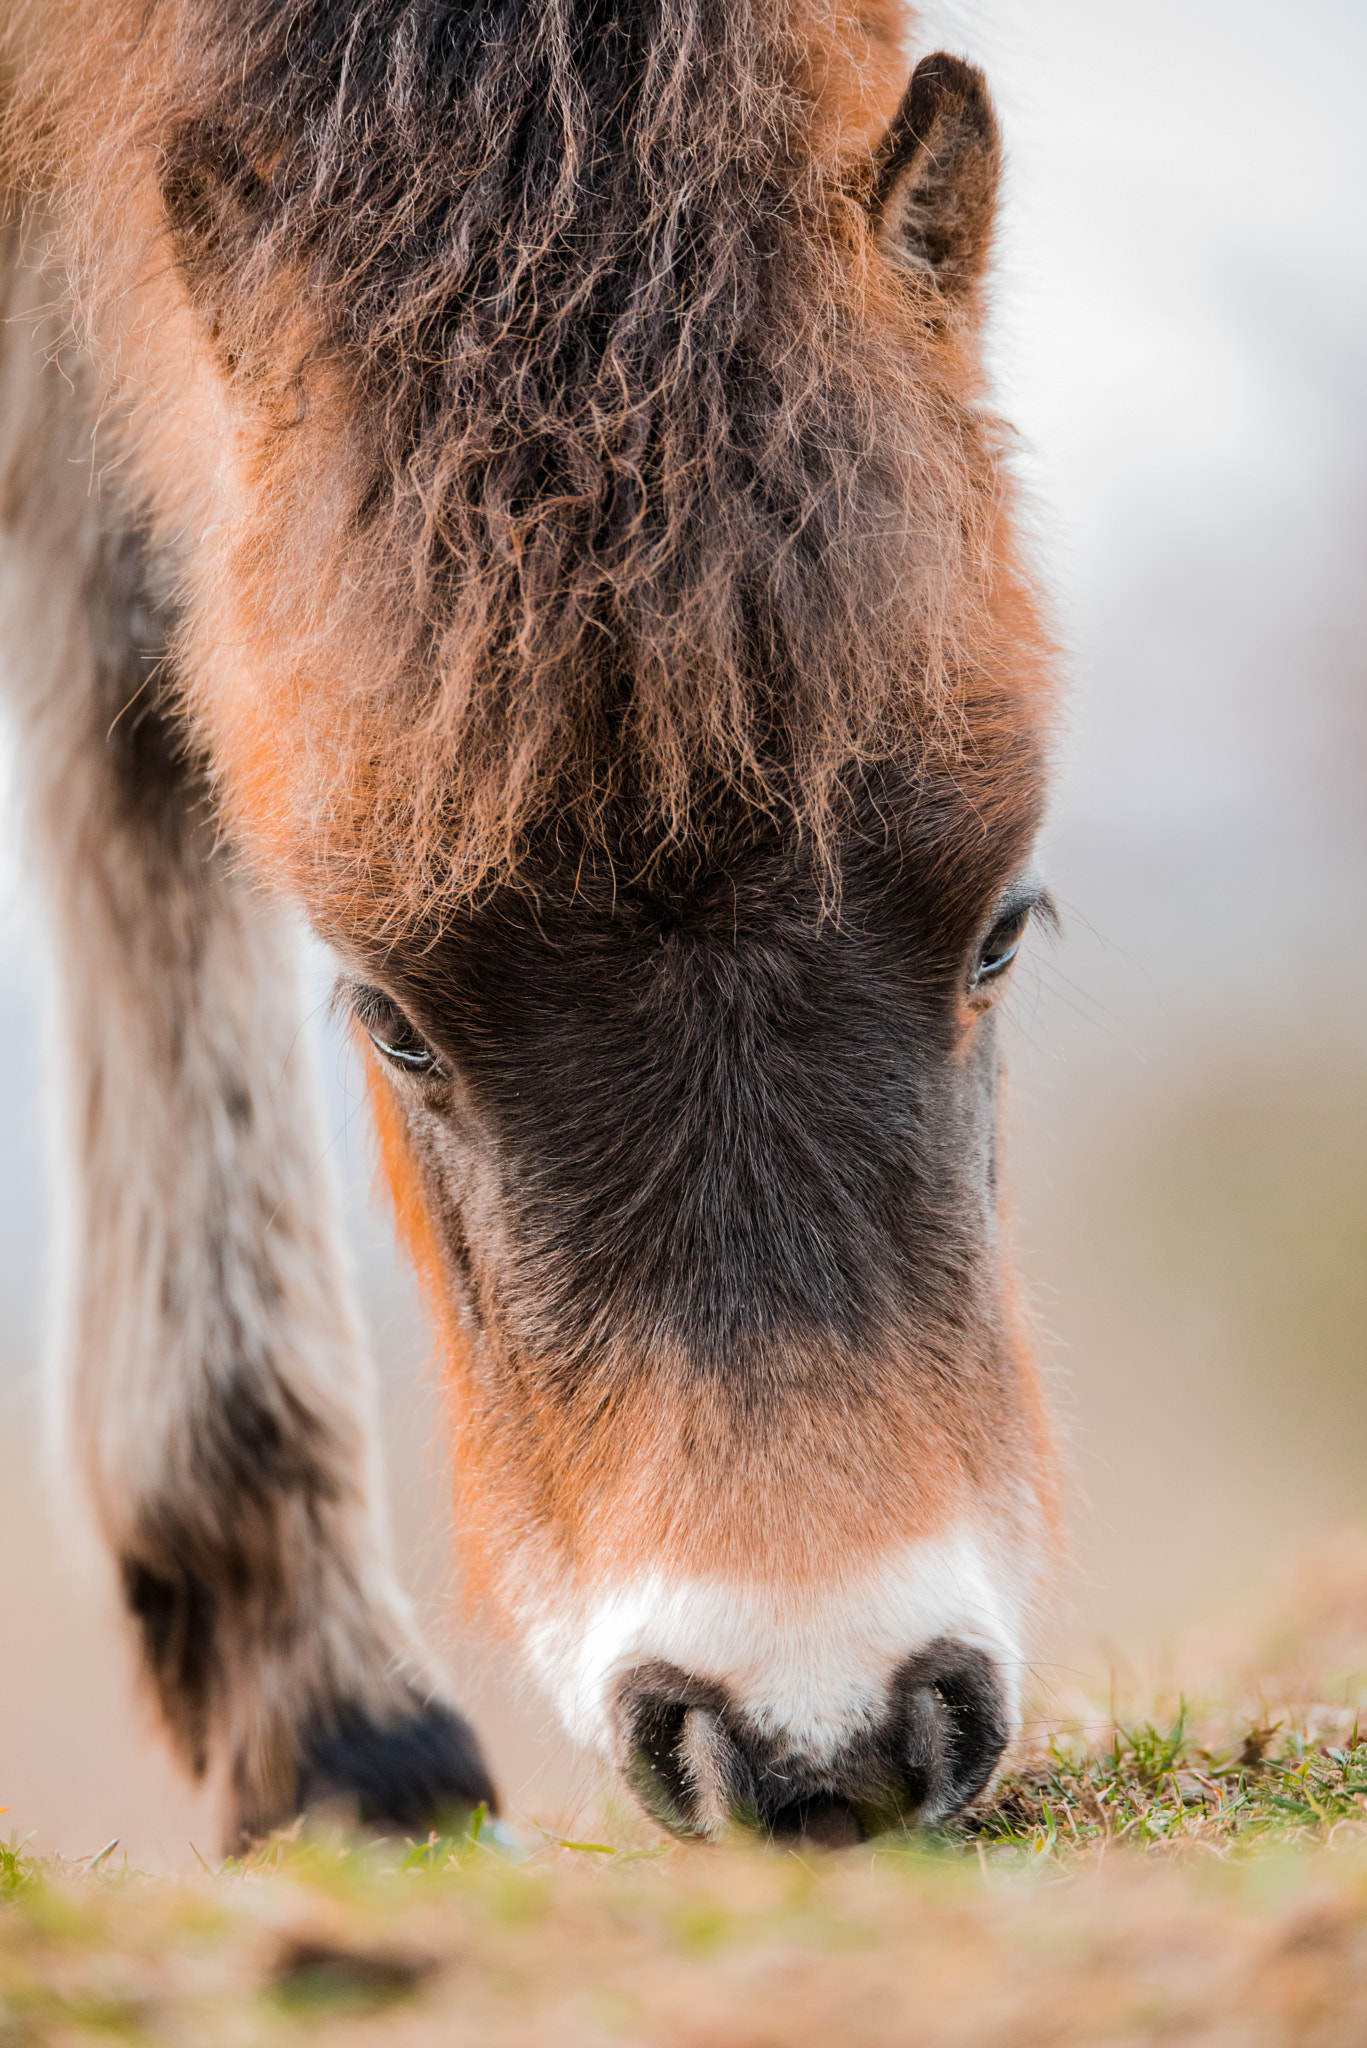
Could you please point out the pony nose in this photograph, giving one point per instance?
(699, 1760)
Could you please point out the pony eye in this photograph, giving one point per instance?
(1001, 945)
(390, 1032)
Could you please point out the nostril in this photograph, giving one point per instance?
(681, 1760)
(655, 1770)
(696, 1762)
(978, 1727)
(954, 1725)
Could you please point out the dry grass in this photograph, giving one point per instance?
(1195, 1877)
(732, 1948)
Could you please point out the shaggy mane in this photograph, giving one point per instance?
(627, 479)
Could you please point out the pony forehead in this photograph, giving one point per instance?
(935, 843)
(644, 753)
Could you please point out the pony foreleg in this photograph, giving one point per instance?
(215, 1389)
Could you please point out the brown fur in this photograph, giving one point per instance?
(214, 1384)
(577, 526)
(438, 551)
(642, 1464)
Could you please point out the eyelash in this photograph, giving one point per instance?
(391, 1034)
(1001, 945)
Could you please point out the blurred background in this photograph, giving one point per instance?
(1181, 339)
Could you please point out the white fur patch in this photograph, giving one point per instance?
(809, 1664)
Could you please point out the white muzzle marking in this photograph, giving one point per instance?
(808, 1665)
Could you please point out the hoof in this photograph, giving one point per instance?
(414, 1774)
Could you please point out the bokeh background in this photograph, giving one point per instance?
(1181, 338)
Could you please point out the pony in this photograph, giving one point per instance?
(512, 484)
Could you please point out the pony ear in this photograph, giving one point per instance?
(936, 173)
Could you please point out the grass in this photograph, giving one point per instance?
(1191, 1880)
(1193, 1872)
(1163, 1787)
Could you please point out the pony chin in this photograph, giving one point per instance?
(809, 1665)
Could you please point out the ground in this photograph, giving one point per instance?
(1195, 1875)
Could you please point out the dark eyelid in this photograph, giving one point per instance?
(1027, 898)
(372, 1008)
(378, 1016)
(343, 1002)
(354, 1001)
(1044, 911)
(1026, 902)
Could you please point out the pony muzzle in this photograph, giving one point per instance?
(700, 1764)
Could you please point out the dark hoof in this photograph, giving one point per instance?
(413, 1775)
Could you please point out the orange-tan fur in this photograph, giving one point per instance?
(386, 634)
